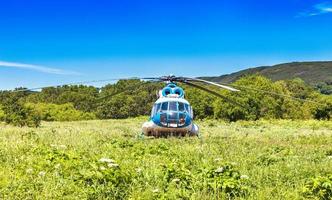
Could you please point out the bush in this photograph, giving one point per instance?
(2, 114)
(17, 114)
(324, 111)
(181, 181)
(106, 180)
(64, 112)
(225, 181)
(319, 187)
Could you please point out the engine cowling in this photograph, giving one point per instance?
(179, 91)
(166, 91)
(172, 90)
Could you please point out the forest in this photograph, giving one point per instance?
(259, 98)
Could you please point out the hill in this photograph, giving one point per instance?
(311, 72)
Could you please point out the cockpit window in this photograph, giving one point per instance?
(181, 107)
(187, 108)
(155, 109)
(173, 106)
(164, 106)
(158, 107)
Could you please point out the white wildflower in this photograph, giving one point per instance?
(176, 180)
(102, 168)
(29, 171)
(329, 157)
(106, 160)
(155, 190)
(244, 177)
(42, 174)
(61, 146)
(57, 166)
(217, 159)
(219, 170)
(113, 165)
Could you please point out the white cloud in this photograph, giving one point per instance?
(317, 9)
(38, 68)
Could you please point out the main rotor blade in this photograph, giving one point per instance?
(211, 83)
(87, 82)
(125, 90)
(215, 93)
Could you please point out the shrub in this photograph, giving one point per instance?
(324, 110)
(178, 184)
(181, 182)
(19, 115)
(2, 113)
(64, 112)
(106, 180)
(319, 187)
(225, 181)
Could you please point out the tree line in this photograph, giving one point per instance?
(259, 98)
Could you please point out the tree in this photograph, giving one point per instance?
(324, 109)
(17, 114)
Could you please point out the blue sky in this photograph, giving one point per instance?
(54, 42)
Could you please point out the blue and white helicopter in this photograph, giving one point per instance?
(172, 114)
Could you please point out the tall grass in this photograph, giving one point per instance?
(109, 159)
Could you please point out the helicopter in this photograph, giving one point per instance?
(172, 114)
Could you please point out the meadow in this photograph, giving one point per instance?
(110, 159)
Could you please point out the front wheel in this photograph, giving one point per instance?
(194, 130)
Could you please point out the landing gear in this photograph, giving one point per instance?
(150, 129)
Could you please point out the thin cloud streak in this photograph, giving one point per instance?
(38, 68)
(318, 9)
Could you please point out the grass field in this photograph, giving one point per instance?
(109, 159)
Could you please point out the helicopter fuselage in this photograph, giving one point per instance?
(171, 114)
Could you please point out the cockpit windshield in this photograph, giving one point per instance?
(181, 107)
(164, 106)
(172, 106)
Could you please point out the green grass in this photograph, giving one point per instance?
(246, 160)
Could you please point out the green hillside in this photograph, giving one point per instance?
(311, 72)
